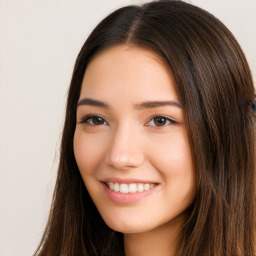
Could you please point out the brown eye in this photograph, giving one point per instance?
(161, 121)
(94, 120)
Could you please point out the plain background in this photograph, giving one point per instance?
(39, 41)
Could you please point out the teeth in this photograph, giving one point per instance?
(116, 187)
(140, 187)
(111, 185)
(133, 188)
(146, 187)
(124, 188)
(130, 188)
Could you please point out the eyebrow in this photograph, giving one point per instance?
(155, 104)
(140, 106)
(92, 102)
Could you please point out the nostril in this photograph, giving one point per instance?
(125, 160)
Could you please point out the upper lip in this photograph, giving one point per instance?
(127, 180)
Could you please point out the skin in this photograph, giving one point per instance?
(130, 143)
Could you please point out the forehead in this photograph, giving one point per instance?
(128, 70)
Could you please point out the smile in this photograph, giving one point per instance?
(130, 188)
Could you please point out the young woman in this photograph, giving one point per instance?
(158, 147)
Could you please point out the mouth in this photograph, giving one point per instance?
(130, 188)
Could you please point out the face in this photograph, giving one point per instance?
(131, 142)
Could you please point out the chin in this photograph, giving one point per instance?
(128, 229)
(129, 226)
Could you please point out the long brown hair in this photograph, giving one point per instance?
(215, 86)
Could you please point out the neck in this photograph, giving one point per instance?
(159, 241)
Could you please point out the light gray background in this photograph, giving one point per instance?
(39, 41)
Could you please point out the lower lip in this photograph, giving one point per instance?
(119, 197)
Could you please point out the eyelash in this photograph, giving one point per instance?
(169, 121)
(86, 119)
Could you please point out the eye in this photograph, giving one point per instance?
(94, 120)
(160, 121)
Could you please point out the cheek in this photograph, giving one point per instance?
(171, 156)
(171, 153)
(88, 151)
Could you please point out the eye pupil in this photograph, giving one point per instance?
(159, 121)
(97, 120)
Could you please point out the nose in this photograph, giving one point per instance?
(125, 149)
